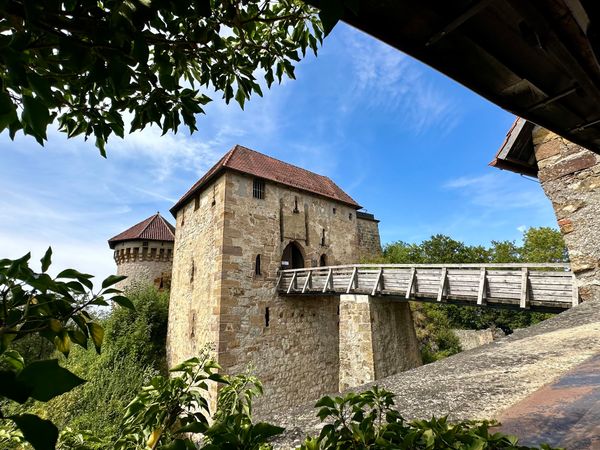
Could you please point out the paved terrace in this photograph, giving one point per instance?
(538, 287)
(483, 382)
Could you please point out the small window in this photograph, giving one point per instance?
(334, 210)
(196, 203)
(323, 261)
(323, 238)
(257, 266)
(296, 210)
(350, 216)
(182, 217)
(145, 244)
(258, 190)
(192, 272)
(267, 316)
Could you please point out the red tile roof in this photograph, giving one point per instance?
(244, 160)
(154, 228)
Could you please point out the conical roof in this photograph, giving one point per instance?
(154, 228)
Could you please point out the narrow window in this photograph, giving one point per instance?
(350, 216)
(334, 210)
(145, 244)
(214, 200)
(257, 266)
(323, 238)
(267, 316)
(192, 272)
(258, 189)
(323, 261)
(161, 253)
(183, 217)
(196, 202)
(296, 210)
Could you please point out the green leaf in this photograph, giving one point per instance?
(121, 300)
(63, 342)
(47, 379)
(97, 335)
(40, 433)
(83, 278)
(13, 358)
(194, 427)
(46, 259)
(12, 389)
(112, 279)
(36, 116)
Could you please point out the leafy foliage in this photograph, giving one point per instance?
(54, 309)
(88, 63)
(369, 421)
(434, 322)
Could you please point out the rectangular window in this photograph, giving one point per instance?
(258, 189)
(196, 202)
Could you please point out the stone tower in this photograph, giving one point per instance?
(247, 218)
(144, 253)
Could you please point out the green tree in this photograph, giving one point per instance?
(544, 244)
(88, 63)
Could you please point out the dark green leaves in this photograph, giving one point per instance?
(96, 334)
(47, 379)
(143, 58)
(46, 259)
(40, 433)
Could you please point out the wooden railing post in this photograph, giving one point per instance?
(378, 280)
(524, 303)
(307, 282)
(353, 280)
(328, 280)
(443, 284)
(411, 282)
(481, 293)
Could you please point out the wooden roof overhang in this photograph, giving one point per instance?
(534, 58)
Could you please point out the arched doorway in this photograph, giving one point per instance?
(292, 257)
(323, 260)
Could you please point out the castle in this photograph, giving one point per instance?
(248, 217)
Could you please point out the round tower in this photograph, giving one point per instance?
(144, 253)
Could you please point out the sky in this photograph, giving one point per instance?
(409, 144)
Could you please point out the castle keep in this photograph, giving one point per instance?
(247, 218)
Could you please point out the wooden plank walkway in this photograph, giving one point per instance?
(537, 287)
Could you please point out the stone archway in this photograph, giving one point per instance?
(292, 257)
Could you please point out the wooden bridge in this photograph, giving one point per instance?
(536, 287)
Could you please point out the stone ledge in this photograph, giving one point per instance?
(480, 383)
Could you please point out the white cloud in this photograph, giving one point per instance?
(390, 81)
(522, 228)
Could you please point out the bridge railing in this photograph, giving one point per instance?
(549, 286)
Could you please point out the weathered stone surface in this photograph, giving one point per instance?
(568, 166)
(470, 339)
(293, 344)
(369, 243)
(566, 225)
(548, 149)
(476, 384)
(144, 263)
(377, 339)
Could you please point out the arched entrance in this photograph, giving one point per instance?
(292, 257)
(323, 260)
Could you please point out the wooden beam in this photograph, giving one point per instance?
(377, 281)
(292, 281)
(575, 301)
(443, 284)
(279, 278)
(307, 281)
(524, 303)
(328, 280)
(352, 280)
(481, 293)
(474, 9)
(411, 282)
(552, 99)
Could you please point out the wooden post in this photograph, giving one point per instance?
(352, 280)
(524, 303)
(377, 281)
(328, 280)
(307, 281)
(481, 294)
(443, 284)
(411, 282)
(279, 278)
(292, 281)
(575, 301)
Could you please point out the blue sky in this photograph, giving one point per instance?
(409, 144)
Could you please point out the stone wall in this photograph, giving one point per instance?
(369, 243)
(220, 297)
(144, 262)
(570, 177)
(196, 279)
(377, 339)
(470, 339)
(292, 343)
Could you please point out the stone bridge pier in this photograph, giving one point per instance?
(377, 339)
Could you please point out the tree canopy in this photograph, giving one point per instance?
(94, 65)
